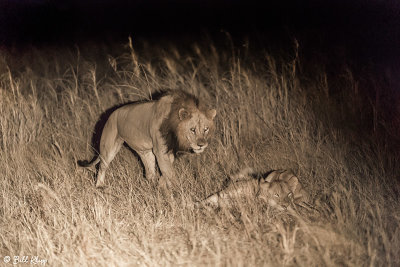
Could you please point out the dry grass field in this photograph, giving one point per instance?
(269, 116)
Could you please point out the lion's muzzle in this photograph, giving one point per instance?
(199, 147)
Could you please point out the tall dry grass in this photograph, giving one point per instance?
(50, 102)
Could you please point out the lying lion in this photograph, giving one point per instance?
(157, 130)
(278, 188)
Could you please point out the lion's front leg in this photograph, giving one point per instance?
(164, 156)
(149, 162)
(165, 161)
(166, 168)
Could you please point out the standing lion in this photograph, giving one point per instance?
(156, 130)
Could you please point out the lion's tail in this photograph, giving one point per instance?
(85, 163)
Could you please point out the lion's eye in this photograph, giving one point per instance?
(276, 195)
(206, 129)
(193, 130)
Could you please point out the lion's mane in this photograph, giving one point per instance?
(175, 139)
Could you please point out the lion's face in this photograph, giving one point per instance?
(194, 129)
(277, 194)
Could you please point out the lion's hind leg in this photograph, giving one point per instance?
(110, 144)
(106, 158)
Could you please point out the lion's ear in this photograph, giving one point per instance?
(211, 114)
(272, 177)
(293, 181)
(183, 114)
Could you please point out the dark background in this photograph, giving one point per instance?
(366, 33)
(373, 24)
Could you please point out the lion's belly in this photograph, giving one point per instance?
(140, 143)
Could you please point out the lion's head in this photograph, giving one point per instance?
(189, 124)
(277, 194)
(280, 188)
